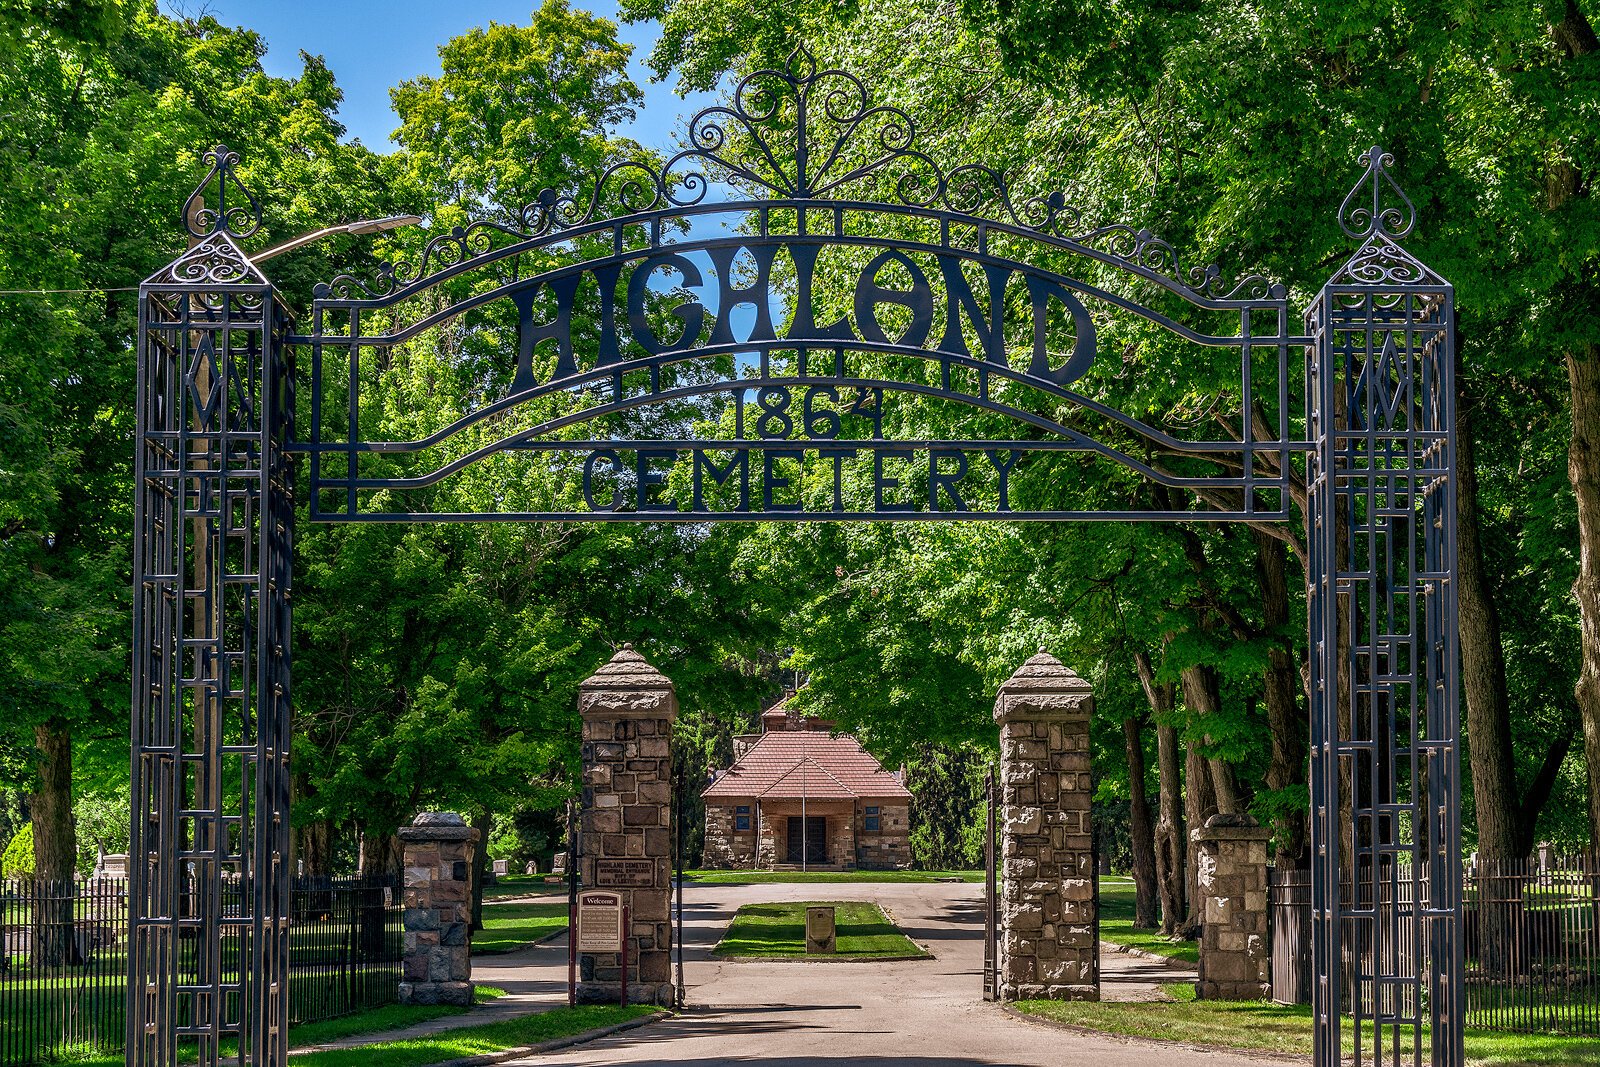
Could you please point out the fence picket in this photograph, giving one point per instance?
(345, 956)
(1531, 931)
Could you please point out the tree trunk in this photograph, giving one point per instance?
(310, 843)
(1171, 835)
(55, 848)
(381, 855)
(1583, 468)
(1199, 801)
(1483, 665)
(1201, 696)
(55, 842)
(1285, 720)
(1140, 830)
(1575, 36)
(311, 849)
(483, 822)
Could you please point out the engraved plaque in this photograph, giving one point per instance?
(625, 874)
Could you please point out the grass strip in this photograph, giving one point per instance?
(778, 931)
(768, 877)
(524, 885)
(509, 927)
(1116, 924)
(1265, 1027)
(388, 1017)
(486, 1039)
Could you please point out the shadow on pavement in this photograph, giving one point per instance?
(737, 1009)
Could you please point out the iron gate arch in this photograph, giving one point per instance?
(1362, 444)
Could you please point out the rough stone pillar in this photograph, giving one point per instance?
(625, 831)
(1234, 957)
(437, 967)
(1048, 943)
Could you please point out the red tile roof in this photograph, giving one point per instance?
(789, 764)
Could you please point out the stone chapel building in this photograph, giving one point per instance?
(798, 796)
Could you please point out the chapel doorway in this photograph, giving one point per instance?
(808, 839)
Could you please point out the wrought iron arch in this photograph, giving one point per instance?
(1347, 414)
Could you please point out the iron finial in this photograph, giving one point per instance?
(1384, 217)
(204, 216)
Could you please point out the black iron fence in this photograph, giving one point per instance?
(1531, 935)
(63, 960)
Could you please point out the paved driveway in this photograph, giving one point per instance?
(926, 1012)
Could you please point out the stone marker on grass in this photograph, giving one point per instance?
(821, 930)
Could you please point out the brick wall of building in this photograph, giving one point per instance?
(889, 848)
(725, 847)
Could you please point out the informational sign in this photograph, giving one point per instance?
(625, 874)
(599, 922)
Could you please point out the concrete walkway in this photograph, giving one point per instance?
(892, 1014)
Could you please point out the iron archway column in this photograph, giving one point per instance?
(209, 878)
(1385, 762)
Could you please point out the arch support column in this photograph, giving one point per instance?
(1049, 940)
(1387, 935)
(208, 868)
(625, 831)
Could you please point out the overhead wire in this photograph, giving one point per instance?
(65, 292)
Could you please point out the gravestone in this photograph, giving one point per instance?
(502, 868)
(625, 828)
(110, 867)
(1047, 946)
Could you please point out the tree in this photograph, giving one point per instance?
(1289, 97)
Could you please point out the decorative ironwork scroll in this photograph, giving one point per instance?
(644, 303)
(858, 332)
(208, 940)
(1385, 762)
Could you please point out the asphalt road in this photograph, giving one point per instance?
(922, 1012)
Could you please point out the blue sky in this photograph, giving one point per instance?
(371, 47)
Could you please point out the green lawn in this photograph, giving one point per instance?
(378, 1020)
(479, 1040)
(508, 927)
(763, 877)
(95, 1002)
(1287, 1029)
(523, 885)
(1116, 924)
(778, 931)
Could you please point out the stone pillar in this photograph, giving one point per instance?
(1234, 958)
(625, 830)
(437, 967)
(1048, 943)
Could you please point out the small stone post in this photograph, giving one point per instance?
(1048, 943)
(1234, 960)
(437, 967)
(625, 830)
